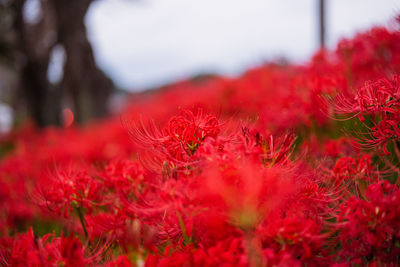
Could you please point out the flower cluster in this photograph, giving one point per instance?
(248, 171)
(380, 101)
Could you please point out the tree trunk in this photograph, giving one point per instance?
(89, 87)
(43, 101)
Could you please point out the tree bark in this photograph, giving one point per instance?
(88, 85)
(43, 101)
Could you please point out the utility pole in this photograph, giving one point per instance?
(321, 22)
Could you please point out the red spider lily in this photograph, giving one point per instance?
(299, 237)
(247, 193)
(370, 227)
(121, 261)
(198, 192)
(29, 250)
(350, 176)
(181, 137)
(174, 146)
(351, 169)
(227, 253)
(69, 190)
(271, 149)
(381, 96)
(340, 147)
(380, 135)
(381, 101)
(384, 131)
(122, 177)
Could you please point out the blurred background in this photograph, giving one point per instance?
(60, 57)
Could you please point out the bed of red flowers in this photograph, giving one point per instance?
(287, 165)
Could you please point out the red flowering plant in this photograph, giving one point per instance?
(30, 250)
(380, 102)
(172, 149)
(269, 181)
(352, 175)
(369, 228)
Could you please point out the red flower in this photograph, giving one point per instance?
(172, 148)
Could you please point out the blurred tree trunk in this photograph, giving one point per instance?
(34, 45)
(89, 86)
(61, 22)
(321, 23)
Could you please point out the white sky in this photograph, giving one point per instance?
(145, 43)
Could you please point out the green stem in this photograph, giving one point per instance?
(82, 220)
(186, 238)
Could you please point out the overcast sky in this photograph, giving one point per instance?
(146, 43)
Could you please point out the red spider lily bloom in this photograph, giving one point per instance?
(381, 101)
(374, 97)
(370, 228)
(69, 190)
(29, 250)
(174, 146)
